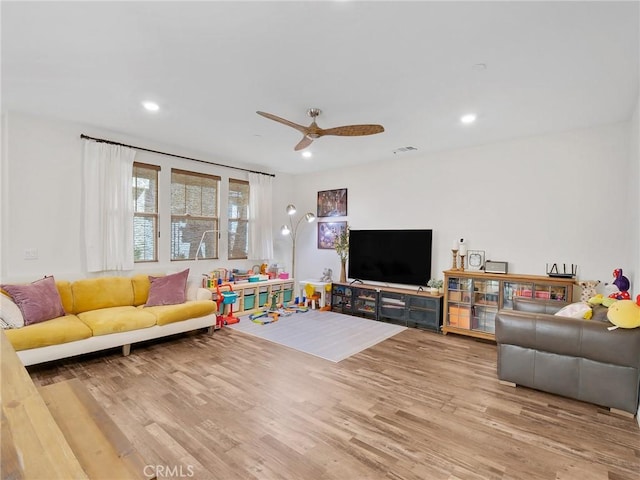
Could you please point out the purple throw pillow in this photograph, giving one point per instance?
(169, 290)
(38, 301)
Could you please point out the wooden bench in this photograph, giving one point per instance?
(59, 431)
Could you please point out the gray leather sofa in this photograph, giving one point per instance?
(574, 358)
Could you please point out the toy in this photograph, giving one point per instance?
(600, 299)
(588, 289)
(622, 284)
(228, 298)
(625, 314)
(327, 273)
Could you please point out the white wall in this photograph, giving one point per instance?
(556, 198)
(634, 204)
(41, 198)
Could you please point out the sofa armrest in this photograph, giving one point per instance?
(203, 294)
(569, 336)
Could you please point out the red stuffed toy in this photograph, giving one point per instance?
(622, 282)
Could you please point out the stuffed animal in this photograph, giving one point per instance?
(588, 289)
(622, 284)
(327, 273)
(600, 299)
(625, 313)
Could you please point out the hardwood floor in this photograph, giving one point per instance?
(416, 406)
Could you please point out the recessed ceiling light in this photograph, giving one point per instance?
(468, 118)
(307, 154)
(151, 106)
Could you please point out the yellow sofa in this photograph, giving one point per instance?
(109, 312)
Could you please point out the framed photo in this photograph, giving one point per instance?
(475, 260)
(328, 232)
(332, 203)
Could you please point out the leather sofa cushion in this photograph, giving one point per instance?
(175, 313)
(117, 319)
(51, 332)
(103, 292)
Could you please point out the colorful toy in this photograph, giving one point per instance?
(622, 284)
(588, 289)
(228, 298)
(625, 314)
(600, 299)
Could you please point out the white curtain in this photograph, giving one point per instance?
(108, 206)
(260, 217)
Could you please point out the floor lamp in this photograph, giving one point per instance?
(292, 230)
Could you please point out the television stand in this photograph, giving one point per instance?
(401, 306)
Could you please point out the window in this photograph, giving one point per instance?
(238, 219)
(194, 215)
(145, 212)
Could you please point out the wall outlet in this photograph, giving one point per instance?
(30, 253)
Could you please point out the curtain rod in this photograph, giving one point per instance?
(102, 140)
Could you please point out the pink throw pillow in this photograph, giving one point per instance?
(169, 290)
(38, 301)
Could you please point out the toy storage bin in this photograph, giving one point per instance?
(288, 294)
(249, 301)
(263, 296)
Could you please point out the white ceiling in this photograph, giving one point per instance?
(551, 66)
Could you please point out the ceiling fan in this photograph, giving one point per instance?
(313, 131)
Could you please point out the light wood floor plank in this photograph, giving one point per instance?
(416, 406)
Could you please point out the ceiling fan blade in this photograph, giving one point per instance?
(353, 130)
(304, 143)
(275, 118)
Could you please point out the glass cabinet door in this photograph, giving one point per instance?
(486, 299)
(365, 302)
(459, 302)
(550, 292)
(515, 289)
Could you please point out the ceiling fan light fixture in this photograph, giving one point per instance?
(307, 154)
(468, 118)
(151, 106)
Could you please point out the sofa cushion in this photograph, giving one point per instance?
(103, 292)
(38, 301)
(141, 285)
(66, 295)
(117, 319)
(10, 314)
(576, 310)
(168, 290)
(165, 314)
(51, 332)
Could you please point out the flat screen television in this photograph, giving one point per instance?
(390, 256)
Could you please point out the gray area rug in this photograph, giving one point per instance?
(329, 335)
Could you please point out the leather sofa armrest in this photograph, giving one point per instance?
(569, 336)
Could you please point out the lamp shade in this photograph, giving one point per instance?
(310, 217)
(285, 230)
(291, 209)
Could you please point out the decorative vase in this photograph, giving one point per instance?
(343, 270)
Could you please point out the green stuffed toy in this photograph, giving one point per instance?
(600, 299)
(625, 314)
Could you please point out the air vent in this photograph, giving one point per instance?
(404, 149)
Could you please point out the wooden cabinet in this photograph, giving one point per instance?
(472, 298)
(253, 295)
(386, 304)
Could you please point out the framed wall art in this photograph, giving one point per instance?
(332, 203)
(328, 232)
